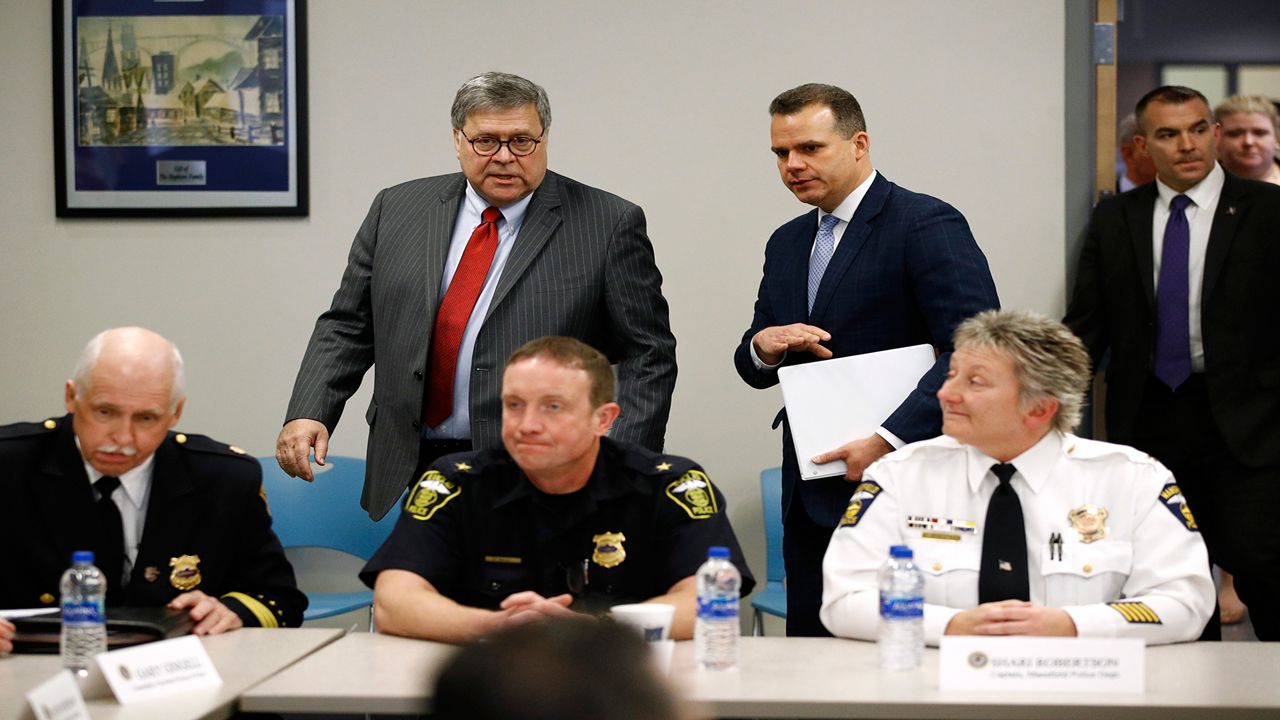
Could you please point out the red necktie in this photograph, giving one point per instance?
(455, 310)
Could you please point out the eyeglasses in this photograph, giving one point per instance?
(486, 146)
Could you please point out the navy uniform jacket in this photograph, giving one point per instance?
(478, 530)
(205, 501)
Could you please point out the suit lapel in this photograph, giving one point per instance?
(1225, 221)
(540, 222)
(798, 297)
(433, 242)
(172, 510)
(1139, 211)
(851, 243)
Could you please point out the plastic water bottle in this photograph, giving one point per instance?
(715, 634)
(901, 638)
(84, 613)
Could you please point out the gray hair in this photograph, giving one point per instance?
(1049, 361)
(88, 362)
(1127, 130)
(499, 91)
(849, 118)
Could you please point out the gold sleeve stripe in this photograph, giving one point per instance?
(1136, 612)
(265, 618)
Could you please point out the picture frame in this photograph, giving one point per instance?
(180, 108)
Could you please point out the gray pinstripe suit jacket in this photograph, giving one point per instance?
(581, 266)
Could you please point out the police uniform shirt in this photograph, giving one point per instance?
(479, 531)
(1126, 558)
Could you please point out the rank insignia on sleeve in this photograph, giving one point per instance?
(1173, 499)
(609, 551)
(1089, 522)
(432, 492)
(865, 494)
(693, 493)
(186, 572)
(1136, 612)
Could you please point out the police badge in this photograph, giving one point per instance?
(609, 551)
(1090, 522)
(186, 572)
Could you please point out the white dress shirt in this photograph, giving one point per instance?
(1204, 203)
(458, 424)
(132, 498)
(932, 496)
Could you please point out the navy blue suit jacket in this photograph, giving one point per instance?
(907, 271)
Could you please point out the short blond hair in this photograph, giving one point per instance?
(1248, 104)
(1049, 361)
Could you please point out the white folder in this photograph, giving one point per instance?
(831, 402)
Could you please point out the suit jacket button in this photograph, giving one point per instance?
(417, 375)
(495, 586)
(417, 425)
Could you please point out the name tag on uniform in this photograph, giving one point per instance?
(1042, 664)
(157, 669)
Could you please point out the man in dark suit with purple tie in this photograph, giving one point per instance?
(875, 267)
(1178, 282)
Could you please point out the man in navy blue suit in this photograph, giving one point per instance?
(875, 267)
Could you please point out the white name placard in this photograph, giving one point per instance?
(156, 669)
(58, 698)
(1039, 664)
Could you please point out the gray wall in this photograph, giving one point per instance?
(661, 102)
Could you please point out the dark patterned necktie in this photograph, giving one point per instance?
(1003, 574)
(110, 550)
(1173, 337)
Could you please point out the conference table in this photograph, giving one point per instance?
(243, 659)
(802, 678)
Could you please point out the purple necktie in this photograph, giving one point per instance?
(1173, 341)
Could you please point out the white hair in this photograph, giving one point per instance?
(88, 362)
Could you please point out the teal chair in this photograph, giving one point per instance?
(326, 514)
(772, 598)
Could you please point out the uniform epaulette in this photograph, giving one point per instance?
(656, 464)
(29, 429)
(463, 465)
(1085, 449)
(209, 446)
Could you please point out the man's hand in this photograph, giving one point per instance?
(857, 455)
(772, 343)
(1012, 617)
(293, 446)
(6, 637)
(529, 606)
(210, 615)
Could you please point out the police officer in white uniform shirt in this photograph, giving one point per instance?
(1019, 527)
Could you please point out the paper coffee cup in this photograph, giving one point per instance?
(651, 620)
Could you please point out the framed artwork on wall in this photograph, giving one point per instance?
(180, 108)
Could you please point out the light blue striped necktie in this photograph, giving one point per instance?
(823, 247)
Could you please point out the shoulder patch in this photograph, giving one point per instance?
(1136, 612)
(863, 495)
(693, 494)
(432, 492)
(1171, 497)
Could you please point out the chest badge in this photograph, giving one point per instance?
(609, 551)
(186, 572)
(1090, 522)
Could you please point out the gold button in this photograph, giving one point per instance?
(1088, 568)
(937, 567)
(46, 598)
(50, 424)
(236, 450)
(180, 438)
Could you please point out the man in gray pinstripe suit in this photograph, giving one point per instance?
(569, 260)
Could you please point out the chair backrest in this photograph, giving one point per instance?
(771, 503)
(325, 513)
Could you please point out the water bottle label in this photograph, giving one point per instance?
(718, 608)
(901, 607)
(83, 612)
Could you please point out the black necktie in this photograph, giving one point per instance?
(110, 550)
(1003, 575)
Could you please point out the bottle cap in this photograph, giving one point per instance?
(82, 556)
(900, 551)
(718, 551)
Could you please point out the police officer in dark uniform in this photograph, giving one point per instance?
(174, 519)
(562, 520)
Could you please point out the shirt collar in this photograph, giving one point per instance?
(846, 209)
(1035, 464)
(1203, 193)
(135, 482)
(512, 214)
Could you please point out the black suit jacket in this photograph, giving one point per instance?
(1113, 308)
(205, 500)
(582, 266)
(907, 271)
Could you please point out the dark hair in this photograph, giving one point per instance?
(843, 104)
(1167, 94)
(555, 670)
(572, 353)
